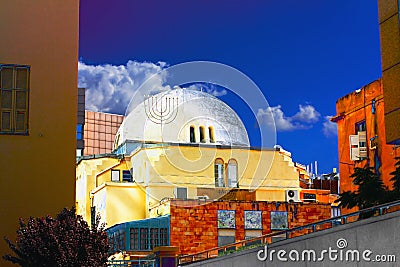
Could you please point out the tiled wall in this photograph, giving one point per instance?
(195, 228)
(99, 132)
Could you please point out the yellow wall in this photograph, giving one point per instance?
(86, 173)
(158, 171)
(115, 202)
(38, 170)
(163, 169)
(122, 202)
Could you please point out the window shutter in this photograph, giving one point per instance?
(354, 147)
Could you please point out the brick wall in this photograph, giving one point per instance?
(194, 228)
(99, 132)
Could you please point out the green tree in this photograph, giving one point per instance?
(395, 193)
(370, 191)
(64, 241)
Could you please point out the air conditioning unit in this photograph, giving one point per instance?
(309, 197)
(292, 195)
(205, 197)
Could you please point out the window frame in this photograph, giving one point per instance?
(219, 167)
(360, 126)
(125, 177)
(192, 134)
(211, 134)
(114, 172)
(144, 239)
(134, 241)
(202, 134)
(232, 163)
(14, 110)
(79, 131)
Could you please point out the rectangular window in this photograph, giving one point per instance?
(164, 240)
(181, 193)
(126, 176)
(120, 240)
(211, 134)
(111, 243)
(144, 239)
(202, 135)
(79, 132)
(134, 238)
(358, 142)
(225, 240)
(219, 175)
(14, 99)
(192, 136)
(232, 174)
(154, 240)
(115, 176)
(361, 126)
(93, 215)
(250, 234)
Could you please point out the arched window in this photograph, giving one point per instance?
(219, 173)
(202, 134)
(192, 135)
(232, 173)
(211, 134)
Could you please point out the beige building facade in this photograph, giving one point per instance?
(38, 109)
(209, 159)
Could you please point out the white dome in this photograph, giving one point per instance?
(173, 116)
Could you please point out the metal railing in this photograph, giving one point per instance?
(131, 263)
(290, 233)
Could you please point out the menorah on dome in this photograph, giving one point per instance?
(161, 110)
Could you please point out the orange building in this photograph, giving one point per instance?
(38, 110)
(361, 135)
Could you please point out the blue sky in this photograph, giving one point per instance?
(303, 55)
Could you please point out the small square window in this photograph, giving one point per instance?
(126, 176)
(361, 126)
(115, 176)
(181, 193)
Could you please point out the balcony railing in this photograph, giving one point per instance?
(290, 233)
(131, 263)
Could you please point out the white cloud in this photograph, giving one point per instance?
(209, 88)
(303, 119)
(109, 88)
(307, 114)
(274, 115)
(329, 128)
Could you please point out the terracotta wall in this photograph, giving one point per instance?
(99, 132)
(194, 228)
